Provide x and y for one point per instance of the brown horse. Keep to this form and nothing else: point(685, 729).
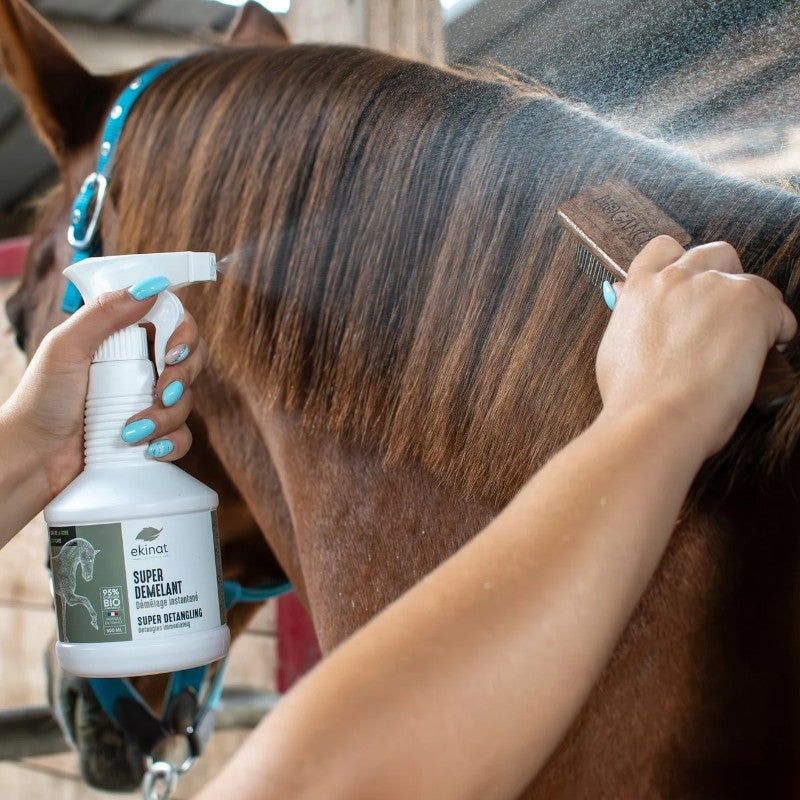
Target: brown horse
point(403, 337)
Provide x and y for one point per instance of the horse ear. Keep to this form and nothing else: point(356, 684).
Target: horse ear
point(64, 101)
point(253, 24)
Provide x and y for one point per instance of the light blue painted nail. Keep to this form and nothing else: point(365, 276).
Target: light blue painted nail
point(148, 287)
point(161, 448)
point(172, 393)
point(609, 295)
point(136, 431)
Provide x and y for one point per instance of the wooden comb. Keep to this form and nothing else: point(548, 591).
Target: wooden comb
point(612, 223)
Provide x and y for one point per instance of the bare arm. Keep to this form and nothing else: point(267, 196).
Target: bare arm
point(463, 687)
point(24, 490)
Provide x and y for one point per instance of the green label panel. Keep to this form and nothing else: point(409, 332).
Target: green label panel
point(89, 583)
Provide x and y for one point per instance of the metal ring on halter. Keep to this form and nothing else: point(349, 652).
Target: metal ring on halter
point(97, 181)
point(159, 773)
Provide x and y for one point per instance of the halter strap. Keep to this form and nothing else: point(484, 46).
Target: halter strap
point(82, 232)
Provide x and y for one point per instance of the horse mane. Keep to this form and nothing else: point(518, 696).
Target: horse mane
point(399, 278)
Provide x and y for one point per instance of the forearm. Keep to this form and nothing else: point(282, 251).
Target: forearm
point(463, 687)
point(24, 488)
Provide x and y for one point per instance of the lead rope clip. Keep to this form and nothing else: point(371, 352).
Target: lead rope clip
point(161, 778)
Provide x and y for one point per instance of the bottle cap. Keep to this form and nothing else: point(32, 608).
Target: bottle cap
point(126, 344)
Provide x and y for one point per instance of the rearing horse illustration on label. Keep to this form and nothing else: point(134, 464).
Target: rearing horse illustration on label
point(65, 567)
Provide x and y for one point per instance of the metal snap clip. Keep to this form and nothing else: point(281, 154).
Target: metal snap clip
point(160, 781)
point(93, 187)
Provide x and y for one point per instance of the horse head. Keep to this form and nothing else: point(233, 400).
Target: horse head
point(67, 106)
point(88, 555)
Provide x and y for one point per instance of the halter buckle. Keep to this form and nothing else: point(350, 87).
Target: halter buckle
point(92, 189)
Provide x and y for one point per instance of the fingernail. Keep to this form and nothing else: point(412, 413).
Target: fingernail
point(172, 393)
point(138, 430)
point(148, 287)
point(177, 354)
point(161, 448)
point(609, 295)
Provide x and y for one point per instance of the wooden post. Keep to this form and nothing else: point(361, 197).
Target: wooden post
point(298, 649)
point(410, 28)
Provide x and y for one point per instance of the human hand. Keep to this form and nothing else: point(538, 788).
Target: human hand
point(688, 338)
point(46, 410)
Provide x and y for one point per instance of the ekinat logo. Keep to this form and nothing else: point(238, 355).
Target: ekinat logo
point(148, 534)
point(145, 550)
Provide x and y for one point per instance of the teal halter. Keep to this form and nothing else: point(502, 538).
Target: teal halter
point(184, 712)
point(82, 232)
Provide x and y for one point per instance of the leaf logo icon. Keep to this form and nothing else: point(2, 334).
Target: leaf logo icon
point(148, 534)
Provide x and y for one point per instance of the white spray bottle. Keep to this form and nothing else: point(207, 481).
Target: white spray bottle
point(133, 541)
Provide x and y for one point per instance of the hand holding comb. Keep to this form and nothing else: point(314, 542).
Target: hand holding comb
point(612, 223)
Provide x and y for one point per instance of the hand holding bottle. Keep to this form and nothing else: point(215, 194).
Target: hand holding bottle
point(41, 424)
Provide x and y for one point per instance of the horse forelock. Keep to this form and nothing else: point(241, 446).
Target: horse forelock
point(398, 276)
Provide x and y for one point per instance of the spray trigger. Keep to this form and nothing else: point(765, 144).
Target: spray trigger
point(93, 276)
point(165, 315)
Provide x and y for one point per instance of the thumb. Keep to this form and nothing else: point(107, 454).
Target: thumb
point(81, 335)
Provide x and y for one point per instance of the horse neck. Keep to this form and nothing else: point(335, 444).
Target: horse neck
point(248, 480)
point(363, 530)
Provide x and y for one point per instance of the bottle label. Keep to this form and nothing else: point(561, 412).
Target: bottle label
point(137, 580)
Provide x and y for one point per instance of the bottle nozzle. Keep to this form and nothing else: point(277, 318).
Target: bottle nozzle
point(201, 267)
point(95, 276)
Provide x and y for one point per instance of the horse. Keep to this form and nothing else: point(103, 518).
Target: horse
point(403, 336)
point(75, 553)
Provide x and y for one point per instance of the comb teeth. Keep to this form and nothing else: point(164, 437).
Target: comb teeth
point(592, 266)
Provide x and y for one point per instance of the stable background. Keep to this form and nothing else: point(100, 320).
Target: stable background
point(721, 80)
